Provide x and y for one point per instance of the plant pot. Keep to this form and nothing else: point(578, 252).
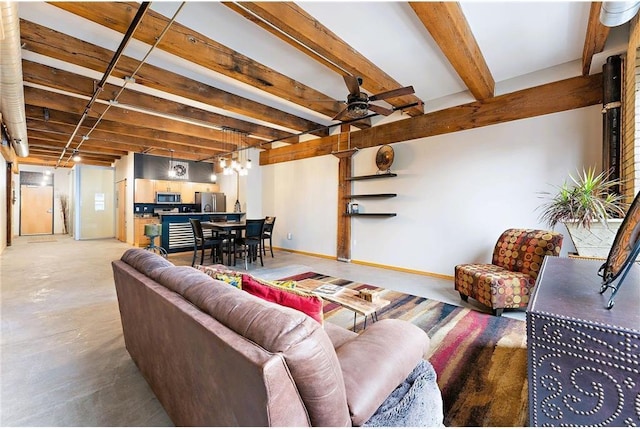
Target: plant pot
point(595, 242)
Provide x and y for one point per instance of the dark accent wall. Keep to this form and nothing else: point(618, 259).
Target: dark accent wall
point(157, 167)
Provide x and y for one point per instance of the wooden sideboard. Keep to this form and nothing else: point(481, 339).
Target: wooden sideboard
point(583, 360)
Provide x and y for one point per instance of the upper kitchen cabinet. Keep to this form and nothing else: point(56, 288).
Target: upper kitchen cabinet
point(144, 191)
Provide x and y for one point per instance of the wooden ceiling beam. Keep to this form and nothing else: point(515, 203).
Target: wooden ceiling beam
point(106, 140)
point(43, 141)
point(192, 46)
point(308, 35)
point(568, 94)
point(51, 161)
point(449, 28)
point(595, 38)
point(47, 140)
point(39, 151)
point(128, 133)
point(66, 103)
point(51, 77)
point(51, 43)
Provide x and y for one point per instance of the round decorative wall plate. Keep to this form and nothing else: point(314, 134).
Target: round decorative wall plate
point(384, 157)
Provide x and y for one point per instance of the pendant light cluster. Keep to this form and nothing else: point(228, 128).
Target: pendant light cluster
point(238, 161)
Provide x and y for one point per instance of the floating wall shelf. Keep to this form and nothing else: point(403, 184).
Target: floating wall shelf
point(370, 196)
point(372, 214)
point(372, 176)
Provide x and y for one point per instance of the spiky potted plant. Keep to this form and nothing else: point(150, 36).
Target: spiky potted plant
point(589, 209)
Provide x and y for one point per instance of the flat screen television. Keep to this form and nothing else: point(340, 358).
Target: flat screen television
point(623, 253)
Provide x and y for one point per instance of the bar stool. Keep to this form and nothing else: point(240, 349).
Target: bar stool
point(153, 230)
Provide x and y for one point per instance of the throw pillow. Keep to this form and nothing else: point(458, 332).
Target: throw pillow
point(284, 284)
point(309, 304)
point(234, 278)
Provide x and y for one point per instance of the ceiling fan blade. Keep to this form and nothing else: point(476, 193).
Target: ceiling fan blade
point(342, 113)
point(380, 110)
point(393, 93)
point(352, 84)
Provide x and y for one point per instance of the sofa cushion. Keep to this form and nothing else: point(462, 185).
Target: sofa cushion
point(309, 304)
point(494, 286)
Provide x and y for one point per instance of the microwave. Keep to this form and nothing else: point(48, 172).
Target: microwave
point(168, 198)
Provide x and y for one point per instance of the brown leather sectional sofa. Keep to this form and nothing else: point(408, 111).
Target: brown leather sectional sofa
point(215, 355)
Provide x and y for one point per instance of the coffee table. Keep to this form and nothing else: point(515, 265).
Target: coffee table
point(347, 298)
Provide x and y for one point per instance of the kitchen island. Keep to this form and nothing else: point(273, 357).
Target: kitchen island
point(177, 235)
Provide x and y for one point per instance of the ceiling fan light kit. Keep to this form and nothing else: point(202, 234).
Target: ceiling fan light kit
point(358, 102)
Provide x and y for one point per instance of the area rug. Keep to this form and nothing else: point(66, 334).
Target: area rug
point(480, 359)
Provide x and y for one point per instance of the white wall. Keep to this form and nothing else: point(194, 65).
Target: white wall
point(456, 192)
point(303, 197)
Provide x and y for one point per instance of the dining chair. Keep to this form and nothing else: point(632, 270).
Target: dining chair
point(200, 242)
point(269, 223)
point(249, 245)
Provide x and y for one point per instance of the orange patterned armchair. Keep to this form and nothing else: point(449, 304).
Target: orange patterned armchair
point(508, 281)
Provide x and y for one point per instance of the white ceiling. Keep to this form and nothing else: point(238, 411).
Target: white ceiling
point(516, 39)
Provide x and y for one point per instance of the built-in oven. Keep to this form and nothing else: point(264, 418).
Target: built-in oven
point(168, 198)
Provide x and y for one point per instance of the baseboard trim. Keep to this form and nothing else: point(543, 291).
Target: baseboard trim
point(371, 264)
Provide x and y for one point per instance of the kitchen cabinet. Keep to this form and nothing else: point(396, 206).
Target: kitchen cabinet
point(207, 187)
point(188, 192)
point(168, 186)
point(144, 191)
point(139, 239)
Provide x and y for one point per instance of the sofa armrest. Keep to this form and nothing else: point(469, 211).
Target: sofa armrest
point(375, 362)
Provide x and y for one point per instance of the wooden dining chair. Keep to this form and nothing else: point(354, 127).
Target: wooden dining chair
point(250, 244)
point(269, 223)
point(200, 242)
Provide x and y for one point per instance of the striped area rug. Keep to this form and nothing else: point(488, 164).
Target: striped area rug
point(481, 360)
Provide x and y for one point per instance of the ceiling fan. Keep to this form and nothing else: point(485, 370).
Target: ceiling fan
point(358, 103)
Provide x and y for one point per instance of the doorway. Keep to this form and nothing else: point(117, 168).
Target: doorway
point(36, 209)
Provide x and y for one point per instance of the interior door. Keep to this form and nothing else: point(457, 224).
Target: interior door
point(121, 204)
point(36, 209)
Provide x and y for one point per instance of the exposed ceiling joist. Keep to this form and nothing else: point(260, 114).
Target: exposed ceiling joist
point(449, 28)
point(117, 131)
point(311, 37)
point(54, 44)
point(66, 103)
point(595, 38)
point(217, 65)
point(72, 83)
point(199, 49)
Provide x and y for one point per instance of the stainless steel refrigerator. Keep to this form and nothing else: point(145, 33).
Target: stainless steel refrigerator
point(211, 201)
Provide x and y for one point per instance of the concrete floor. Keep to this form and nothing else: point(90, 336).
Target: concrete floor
point(63, 361)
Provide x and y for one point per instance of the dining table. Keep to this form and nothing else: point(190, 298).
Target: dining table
point(231, 228)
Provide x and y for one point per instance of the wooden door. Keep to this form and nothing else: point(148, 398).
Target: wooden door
point(121, 212)
point(36, 210)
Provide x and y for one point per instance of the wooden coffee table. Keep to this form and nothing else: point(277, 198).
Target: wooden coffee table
point(347, 298)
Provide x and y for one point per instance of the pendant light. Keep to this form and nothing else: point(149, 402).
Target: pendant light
point(171, 172)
